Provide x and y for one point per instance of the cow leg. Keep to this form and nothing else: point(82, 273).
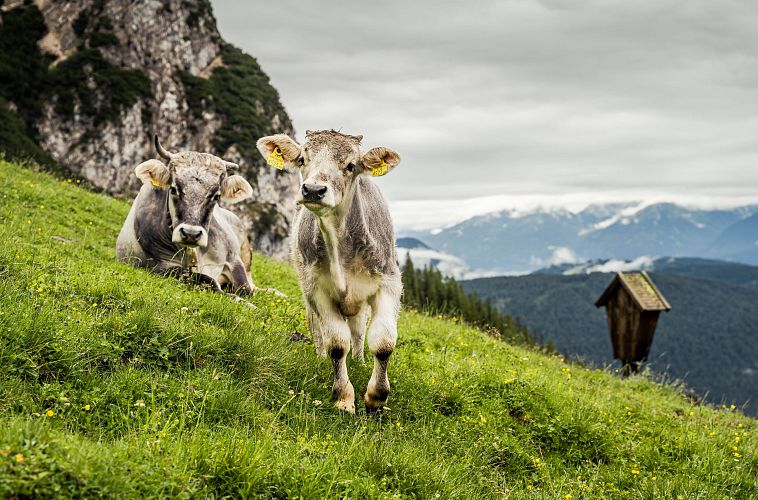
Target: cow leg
point(382, 336)
point(204, 280)
point(336, 340)
point(314, 326)
point(174, 270)
point(357, 326)
point(242, 284)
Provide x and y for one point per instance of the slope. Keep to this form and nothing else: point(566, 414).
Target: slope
point(738, 242)
point(709, 269)
point(119, 383)
point(707, 339)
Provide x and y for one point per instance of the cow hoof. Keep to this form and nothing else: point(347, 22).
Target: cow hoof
point(347, 406)
point(374, 402)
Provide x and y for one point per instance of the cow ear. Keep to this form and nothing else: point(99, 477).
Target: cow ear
point(279, 150)
point(235, 188)
point(379, 161)
point(154, 172)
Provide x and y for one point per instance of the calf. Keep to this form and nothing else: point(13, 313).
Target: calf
point(343, 247)
point(176, 226)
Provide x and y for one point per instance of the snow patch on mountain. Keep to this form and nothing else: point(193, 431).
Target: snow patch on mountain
point(643, 263)
point(622, 216)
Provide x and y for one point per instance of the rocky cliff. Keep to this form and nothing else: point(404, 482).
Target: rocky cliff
point(84, 84)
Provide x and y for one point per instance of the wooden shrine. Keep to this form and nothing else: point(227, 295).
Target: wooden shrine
point(632, 304)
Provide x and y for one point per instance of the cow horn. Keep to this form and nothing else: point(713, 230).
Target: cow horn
point(231, 167)
point(162, 152)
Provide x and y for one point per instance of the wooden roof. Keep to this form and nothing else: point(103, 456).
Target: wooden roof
point(640, 287)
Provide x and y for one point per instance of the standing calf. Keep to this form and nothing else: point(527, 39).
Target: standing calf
point(343, 246)
point(175, 224)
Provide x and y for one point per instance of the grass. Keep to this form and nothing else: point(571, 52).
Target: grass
point(119, 383)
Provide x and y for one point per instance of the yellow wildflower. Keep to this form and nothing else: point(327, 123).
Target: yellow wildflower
point(50, 413)
point(87, 407)
point(19, 458)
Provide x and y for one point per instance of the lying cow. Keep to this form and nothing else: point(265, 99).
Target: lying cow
point(176, 226)
point(343, 247)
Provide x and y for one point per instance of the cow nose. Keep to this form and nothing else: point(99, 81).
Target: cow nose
point(190, 234)
point(313, 192)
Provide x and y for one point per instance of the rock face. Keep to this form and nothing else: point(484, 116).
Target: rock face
point(117, 71)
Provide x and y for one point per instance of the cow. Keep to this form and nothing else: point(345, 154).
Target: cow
point(176, 226)
point(343, 248)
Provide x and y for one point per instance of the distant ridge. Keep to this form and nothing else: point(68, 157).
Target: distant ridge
point(514, 242)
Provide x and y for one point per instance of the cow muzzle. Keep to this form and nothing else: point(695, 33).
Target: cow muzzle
point(187, 235)
point(313, 193)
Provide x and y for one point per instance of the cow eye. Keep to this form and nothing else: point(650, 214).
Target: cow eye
point(216, 196)
point(300, 161)
point(173, 190)
point(350, 167)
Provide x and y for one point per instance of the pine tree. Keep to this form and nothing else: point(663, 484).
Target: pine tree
point(429, 291)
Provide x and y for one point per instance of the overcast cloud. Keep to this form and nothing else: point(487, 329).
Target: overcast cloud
point(546, 102)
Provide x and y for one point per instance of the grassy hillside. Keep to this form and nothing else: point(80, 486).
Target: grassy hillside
point(708, 339)
point(119, 383)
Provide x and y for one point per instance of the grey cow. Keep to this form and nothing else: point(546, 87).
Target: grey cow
point(176, 226)
point(343, 247)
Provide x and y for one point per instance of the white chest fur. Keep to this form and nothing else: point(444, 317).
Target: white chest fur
point(358, 288)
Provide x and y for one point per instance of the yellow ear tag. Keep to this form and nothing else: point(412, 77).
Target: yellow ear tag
point(276, 158)
point(379, 170)
point(154, 182)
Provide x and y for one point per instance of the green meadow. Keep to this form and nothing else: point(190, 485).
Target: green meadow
point(118, 383)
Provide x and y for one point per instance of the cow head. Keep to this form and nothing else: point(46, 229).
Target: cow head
point(195, 183)
point(329, 163)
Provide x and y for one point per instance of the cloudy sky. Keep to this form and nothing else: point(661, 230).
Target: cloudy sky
point(496, 104)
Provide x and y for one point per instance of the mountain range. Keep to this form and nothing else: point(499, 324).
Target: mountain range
point(511, 242)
